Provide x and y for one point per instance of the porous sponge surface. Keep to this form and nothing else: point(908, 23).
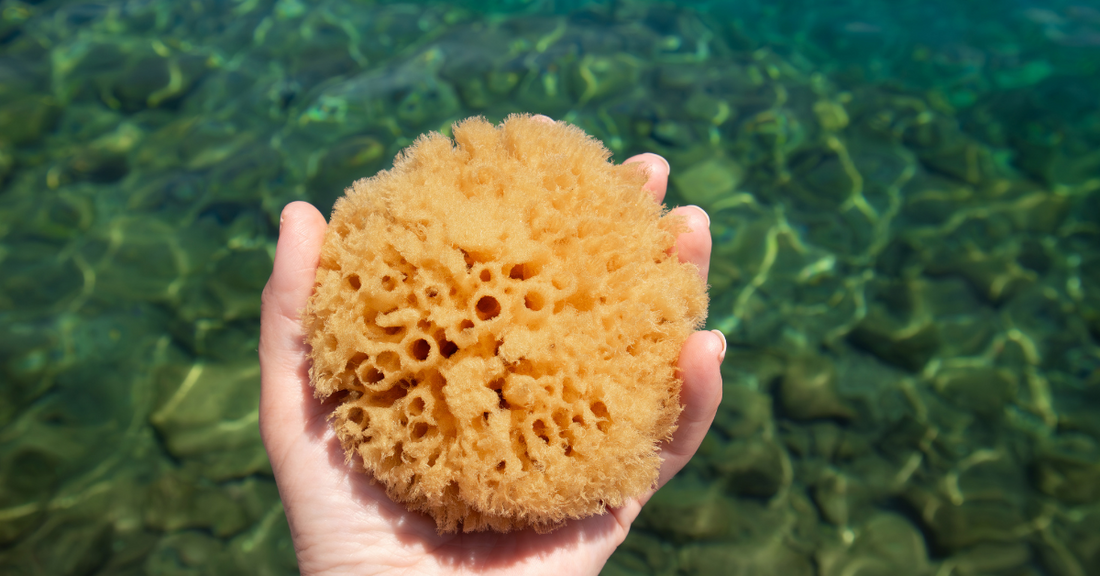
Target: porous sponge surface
point(502, 316)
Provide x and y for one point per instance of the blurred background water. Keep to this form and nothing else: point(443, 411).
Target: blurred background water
point(906, 211)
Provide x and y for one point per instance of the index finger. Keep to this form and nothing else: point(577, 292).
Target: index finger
point(657, 169)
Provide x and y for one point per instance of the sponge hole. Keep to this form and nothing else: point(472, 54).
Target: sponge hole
point(488, 308)
point(497, 385)
point(447, 348)
point(354, 362)
point(420, 349)
point(569, 392)
point(353, 281)
point(521, 271)
point(540, 430)
point(419, 430)
point(485, 275)
point(468, 258)
point(370, 375)
point(534, 301)
point(388, 283)
point(465, 325)
point(599, 409)
point(389, 361)
point(359, 416)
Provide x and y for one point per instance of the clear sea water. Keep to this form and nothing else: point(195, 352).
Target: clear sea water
point(905, 199)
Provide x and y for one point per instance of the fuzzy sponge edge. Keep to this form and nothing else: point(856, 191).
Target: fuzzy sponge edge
point(501, 318)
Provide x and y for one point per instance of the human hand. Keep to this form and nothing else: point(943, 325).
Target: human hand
point(343, 523)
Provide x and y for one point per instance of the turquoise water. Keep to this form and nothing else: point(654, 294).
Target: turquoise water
point(905, 199)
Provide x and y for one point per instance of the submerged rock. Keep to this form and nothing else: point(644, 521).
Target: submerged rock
point(211, 420)
point(808, 390)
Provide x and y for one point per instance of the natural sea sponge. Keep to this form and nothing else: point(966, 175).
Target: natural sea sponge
point(501, 317)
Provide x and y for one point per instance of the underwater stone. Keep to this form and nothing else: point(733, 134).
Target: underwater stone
point(673, 134)
point(831, 115)
point(104, 160)
point(991, 474)
point(87, 546)
point(709, 181)
point(543, 92)
point(773, 556)
point(966, 334)
point(7, 161)
point(679, 76)
point(753, 468)
point(154, 80)
point(886, 544)
point(432, 100)
point(36, 273)
point(707, 108)
point(345, 161)
point(990, 558)
point(1082, 537)
point(185, 553)
point(265, 548)
point(177, 501)
point(836, 495)
point(690, 512)
point(94, 165)
point(1090, 283)
point(984, 391)
point(145, 260)
point(967, 161)
point(473, 93)
point(641, 553)
point(1068, 468)
point(27, 482)
point(996, 276)
point(910, 347)
point(743, 411)
point(26, 119)
point(808, 390)
point(823, 181)
point(971, 522)
point(211, 420)
point(826, 440)
point(595, 77)
point(238, 278)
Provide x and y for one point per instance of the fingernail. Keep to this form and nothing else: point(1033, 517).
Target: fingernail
point(543, 118)
point(707, 216)
point(668, 168)
point(722, 354)
point(281, 218)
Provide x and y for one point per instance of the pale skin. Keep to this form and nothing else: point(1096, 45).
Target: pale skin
point(343, 523)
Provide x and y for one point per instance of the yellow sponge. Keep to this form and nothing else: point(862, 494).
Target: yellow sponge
point(502, 316)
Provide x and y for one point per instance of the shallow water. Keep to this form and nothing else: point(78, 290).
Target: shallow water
point(905, 199)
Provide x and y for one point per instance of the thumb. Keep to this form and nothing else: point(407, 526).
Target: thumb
point(284, 363)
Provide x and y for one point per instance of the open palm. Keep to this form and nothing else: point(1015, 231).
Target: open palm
point(343, 523)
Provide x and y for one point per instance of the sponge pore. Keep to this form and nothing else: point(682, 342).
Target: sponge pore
point(501, 317)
